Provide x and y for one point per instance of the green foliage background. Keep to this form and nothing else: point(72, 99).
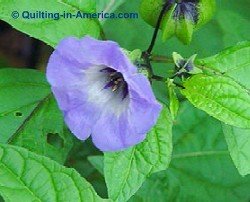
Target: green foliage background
point(201, 168)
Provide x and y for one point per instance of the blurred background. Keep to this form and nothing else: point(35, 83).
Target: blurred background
point(19, 50)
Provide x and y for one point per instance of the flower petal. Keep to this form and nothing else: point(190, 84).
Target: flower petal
point(62, 71)
point(141, 87)
point(143, 115)
point(69, 97)
point(81, 119)
point(79, 114)
point(112, 133)
point(106, 53)
point(144, 108)
point(90, 50)
point(115, 122)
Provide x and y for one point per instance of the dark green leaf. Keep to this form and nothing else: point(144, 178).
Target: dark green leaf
point(238, 141)
point(235, 27)
point(29, 115)
point(97, 162)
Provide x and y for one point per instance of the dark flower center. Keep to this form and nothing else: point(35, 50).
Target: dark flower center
point(188, 66)
point(185, 9)
point(115, 82)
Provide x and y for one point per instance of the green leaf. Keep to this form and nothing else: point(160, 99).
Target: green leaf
point(168, 25)
point(206, 11)
point(146, 8)
point(17, 90)
point(233, 62)
point(126, 171)
point(1, 199)
point(185, 30)
point(97, 162)
point(43, 132)
point(78, 158)
point(235, 30)
point(29, 115)
point(49, 30)
point(108, 6)
point(200, 169)
point(238, 141)
point(30, 177)
point(86, 6)
point(173, 99)
point(221, 97)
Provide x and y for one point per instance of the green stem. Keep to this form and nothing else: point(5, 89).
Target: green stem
point(102, 33)
point(161, 59)
point(157, 27)
point(159, 78)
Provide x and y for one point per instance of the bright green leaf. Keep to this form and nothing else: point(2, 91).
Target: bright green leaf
point(146, 8)
point(238, 141)
point(107, 6)
point(89, 6)
point(185, 30)
point(78, 158)
point(29, 177)
point(200, 169)
point(206, 11)
point(126, 171)
point(29, 115)
point(234, 62)
point(221, 97)
point(49, 30)
point(168, 25)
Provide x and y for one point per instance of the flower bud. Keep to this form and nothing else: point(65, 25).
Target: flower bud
point(185, 67)
point(181, 17)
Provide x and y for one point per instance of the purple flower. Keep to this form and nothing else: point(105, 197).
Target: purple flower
point(101, 94)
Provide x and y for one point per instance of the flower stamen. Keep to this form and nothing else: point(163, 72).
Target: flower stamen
point(115, 81)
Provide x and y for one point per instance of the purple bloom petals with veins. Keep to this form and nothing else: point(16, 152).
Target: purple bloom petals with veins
point(101, 94)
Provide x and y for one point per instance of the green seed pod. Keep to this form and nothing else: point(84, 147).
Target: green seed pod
point(181, 17)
